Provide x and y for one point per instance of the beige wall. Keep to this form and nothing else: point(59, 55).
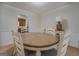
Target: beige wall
point(9, 21)
point(71, 14)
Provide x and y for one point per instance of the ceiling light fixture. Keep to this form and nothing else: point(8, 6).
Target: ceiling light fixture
point(38, 3)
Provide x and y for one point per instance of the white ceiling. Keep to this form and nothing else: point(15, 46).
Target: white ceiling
point(37, 7)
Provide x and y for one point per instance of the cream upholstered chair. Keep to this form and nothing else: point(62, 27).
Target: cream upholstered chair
point(63, 44)
point(18, 44)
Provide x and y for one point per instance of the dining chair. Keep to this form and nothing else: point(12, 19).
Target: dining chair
point(51, 31)
point(18, 44)
point(63, 44)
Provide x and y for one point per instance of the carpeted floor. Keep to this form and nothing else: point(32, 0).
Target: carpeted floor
point(72, 51)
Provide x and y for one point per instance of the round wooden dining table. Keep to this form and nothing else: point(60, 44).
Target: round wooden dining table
point(39, 41)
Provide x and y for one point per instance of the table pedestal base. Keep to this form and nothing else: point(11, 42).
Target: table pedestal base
point(38, 53)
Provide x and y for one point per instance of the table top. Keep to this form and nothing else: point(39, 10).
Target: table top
point(37, 39)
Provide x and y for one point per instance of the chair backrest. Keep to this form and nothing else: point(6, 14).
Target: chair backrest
point(50, 31)
point(63, 44)
point(18, 42)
